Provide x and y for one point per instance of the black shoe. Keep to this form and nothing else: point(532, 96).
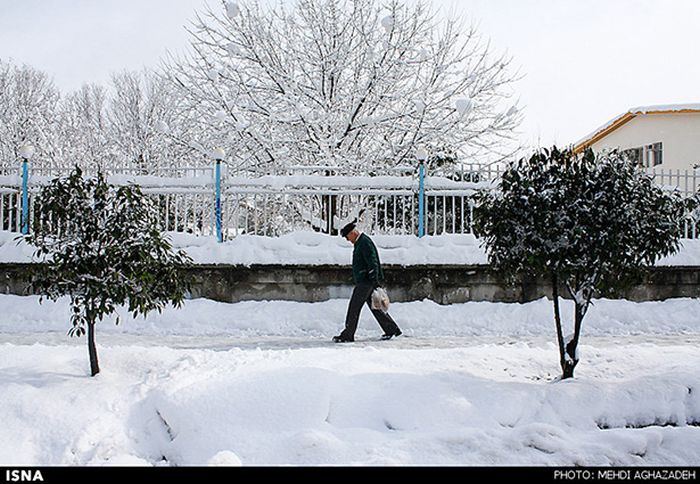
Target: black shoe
point(387, 336)
point(343, 339)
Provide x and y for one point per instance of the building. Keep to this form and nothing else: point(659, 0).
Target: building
point(663, 137)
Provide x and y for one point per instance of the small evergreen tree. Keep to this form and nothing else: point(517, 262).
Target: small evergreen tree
point(101, 246)
point(590, 223)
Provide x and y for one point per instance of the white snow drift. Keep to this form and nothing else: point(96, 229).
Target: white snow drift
point(317, 249)
point(260, 384)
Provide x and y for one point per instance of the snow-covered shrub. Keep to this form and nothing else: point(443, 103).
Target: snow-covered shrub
point(101, 246)
point(588, 223)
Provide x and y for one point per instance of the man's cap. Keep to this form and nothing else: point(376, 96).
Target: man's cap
point(347, 229)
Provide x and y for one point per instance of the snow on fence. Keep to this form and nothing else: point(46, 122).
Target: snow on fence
point(305, 198)
point(274, 205)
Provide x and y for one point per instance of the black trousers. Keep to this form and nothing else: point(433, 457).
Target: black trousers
point(362, 294)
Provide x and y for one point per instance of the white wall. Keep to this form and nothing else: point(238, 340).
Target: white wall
point(679, 133)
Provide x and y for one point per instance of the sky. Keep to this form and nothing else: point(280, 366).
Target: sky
point(583, 61)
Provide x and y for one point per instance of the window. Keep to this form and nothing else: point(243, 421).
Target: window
point(647, 156)
point(654, 155)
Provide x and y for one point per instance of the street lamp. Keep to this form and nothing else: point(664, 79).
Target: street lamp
point(463, 106)
point(232, 10)
point(26, 151)
point(421, 155)
point(220, 116)
point(162, 127)
point(388, 23)
point(214, 74)
point(218, 154)
point(419, 104)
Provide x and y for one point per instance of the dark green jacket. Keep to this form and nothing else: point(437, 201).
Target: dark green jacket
point(365, 262)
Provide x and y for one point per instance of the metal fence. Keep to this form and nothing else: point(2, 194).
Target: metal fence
point(273, 206)
point(305, 198)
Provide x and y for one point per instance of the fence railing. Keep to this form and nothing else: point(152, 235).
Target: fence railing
point(686, 181)
point(278, 204)
point(306, 198)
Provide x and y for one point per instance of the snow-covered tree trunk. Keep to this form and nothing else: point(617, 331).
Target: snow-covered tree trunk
point(582, 293)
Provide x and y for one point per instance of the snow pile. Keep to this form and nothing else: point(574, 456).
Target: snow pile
point(259, 383)
point(317, 249)
point(13, 249)
point(375, 405)
point(425, 319)
point(688, 255)
point(299, 248)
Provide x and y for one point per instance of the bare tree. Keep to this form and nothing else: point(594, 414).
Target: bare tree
point(143, 116)
point(28, 110)
point(84, 135)
point(354, 83)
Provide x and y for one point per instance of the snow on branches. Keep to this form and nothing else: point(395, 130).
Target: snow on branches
point(101, 245)
point(588, 223)
point(28, 112)
point(356, 84)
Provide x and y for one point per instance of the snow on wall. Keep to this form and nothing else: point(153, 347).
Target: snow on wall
point(310, 248)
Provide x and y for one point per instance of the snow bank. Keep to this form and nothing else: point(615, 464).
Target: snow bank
point(425, 319)
point(13, 249)
point(317, 249)
point(482, 405)
point(688, 255)
point(259, 383)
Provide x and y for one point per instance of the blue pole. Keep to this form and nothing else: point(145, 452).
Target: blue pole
point(421, 201)
point(219, 236)
point(25, 197)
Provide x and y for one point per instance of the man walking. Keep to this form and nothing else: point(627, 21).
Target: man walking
point(367, 275)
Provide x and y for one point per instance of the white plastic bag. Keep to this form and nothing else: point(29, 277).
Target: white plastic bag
point(380, 299)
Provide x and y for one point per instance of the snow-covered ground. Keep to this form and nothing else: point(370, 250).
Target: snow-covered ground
point(317, 249)
point(259, 383)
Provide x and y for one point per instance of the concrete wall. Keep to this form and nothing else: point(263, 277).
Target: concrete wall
point(442, 284)
point(679, 133)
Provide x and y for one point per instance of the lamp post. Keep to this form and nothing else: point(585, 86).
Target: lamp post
point(422, 155)
point(388, 23)
point(463, 106)
point(218, 154)
point(26, 151)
